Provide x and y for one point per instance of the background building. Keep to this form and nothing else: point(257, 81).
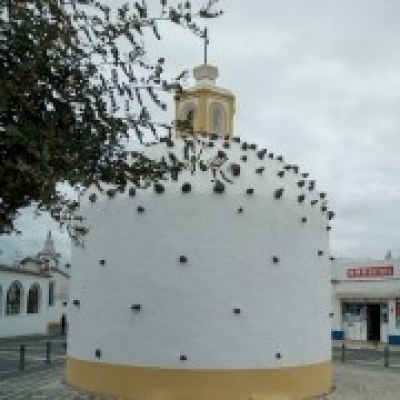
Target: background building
point(33, 293)
point(366, 300)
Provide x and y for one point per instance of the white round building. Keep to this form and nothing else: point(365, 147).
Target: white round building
point(213, 286)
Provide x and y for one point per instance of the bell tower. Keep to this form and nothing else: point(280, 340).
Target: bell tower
point(205, 108)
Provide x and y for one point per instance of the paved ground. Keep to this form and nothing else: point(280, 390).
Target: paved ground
point(358, 382)
point(368, 357)
point(35, 354)
point(362, 377)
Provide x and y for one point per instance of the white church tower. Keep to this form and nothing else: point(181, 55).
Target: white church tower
point(48, 255)
point(212, 286)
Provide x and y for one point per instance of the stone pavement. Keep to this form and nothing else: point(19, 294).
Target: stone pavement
point(353, 382)
point(43, 385)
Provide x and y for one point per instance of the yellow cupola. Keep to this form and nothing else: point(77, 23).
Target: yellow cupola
point(205, 108)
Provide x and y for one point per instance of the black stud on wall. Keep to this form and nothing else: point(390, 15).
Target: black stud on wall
point(76, 302)
point(226, 145)
point(158, 188)
point(278, 193)
point(250, 191)
point(93, 197)
point(260, 170)
point(186, 187)
point(305, 174)
point(253, 146)
point(210, 144)
point(240, 210)
point(271, 155)
point(102, 262)
point(237, 311)
point(169, 142)
point(183, 357)
point(324, 208)
point(278, 356)
point(279, 158)
point(182, 259)
point(331, 215)
point(111, 192)
point(275, 259)
point(132, 192)
point(140, 209)
point(301, 198)
point(322, 195)
point(261, 154)
point(98, 353)
point(203, 166)
point(301, 183)
point(328, 228)
point(136, 307)
point(236, 139)
point(304, 220)
point(311, 186)
point(295, 169)
point(244, 146)
point(235, 169)
point(243, 158)
point(219, 187)
point(281, 174)
point(314, 202)
point(320, 253)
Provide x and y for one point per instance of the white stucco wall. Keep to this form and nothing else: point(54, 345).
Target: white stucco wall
point(187, 309)
point(23, 323)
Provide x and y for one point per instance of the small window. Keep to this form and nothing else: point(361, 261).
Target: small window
point(188, 117)
point(51, 293)
point(32, 306)
point(218, 119)
point(14, 299)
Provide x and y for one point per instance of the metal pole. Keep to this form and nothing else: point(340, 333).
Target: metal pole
point(48, 351)
point(22, 357)
point(205, 44)
point(386, 356)
point(343, 352)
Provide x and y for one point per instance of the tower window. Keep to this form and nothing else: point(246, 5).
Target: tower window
point(51, 293)
point(14, 299)
point(218, 119)
point(188, 117)
point(33, 301)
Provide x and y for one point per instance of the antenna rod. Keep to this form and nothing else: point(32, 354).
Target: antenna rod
point(205, 44)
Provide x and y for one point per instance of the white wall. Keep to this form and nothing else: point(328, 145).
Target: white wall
point(188, 308)
point(23, 323)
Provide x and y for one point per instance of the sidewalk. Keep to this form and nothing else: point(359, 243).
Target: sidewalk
point(351, 383)
point(362, 344)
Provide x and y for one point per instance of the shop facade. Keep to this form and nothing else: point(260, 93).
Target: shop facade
point(366, 301)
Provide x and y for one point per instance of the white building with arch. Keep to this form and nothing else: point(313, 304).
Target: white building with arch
point(33, 293)
point(23, 302)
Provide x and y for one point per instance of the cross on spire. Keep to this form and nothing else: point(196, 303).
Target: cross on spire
point(206, 43)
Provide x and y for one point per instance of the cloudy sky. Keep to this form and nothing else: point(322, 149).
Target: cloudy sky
point(317, 81)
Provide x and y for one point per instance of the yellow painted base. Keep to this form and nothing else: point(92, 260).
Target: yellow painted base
point(141, 383)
